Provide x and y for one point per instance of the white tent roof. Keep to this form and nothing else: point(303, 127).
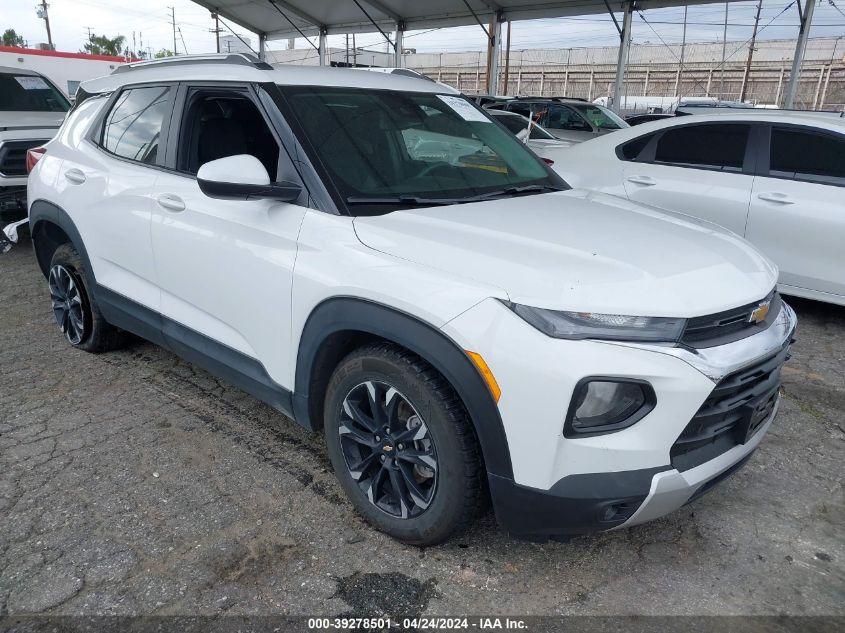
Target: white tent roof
point(275, 19)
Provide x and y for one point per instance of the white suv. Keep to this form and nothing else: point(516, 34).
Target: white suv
point(453, 327)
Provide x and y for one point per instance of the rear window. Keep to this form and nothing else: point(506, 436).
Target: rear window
point(30, 93)
point(806, 155)
point(716, 146)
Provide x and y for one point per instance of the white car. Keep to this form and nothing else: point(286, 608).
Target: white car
point(775, 178)
point(451, 328)
point(544, 144)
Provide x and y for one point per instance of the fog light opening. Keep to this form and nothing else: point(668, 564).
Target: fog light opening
point(604, 405)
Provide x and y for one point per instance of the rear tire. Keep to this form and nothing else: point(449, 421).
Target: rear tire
point(74, 308)
point(402, 445)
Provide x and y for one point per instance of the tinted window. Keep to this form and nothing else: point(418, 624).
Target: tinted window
point(520, 108)
point(133, 127)
point(630, 151)
point(711, 146)
point(806, 155)
point(29, 93)
point(564, 118)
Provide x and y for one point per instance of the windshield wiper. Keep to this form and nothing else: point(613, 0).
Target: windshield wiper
point(512, 191)
point(430, 202)
point(414, 200)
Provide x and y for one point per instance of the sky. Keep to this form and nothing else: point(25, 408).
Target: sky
point(150, 22)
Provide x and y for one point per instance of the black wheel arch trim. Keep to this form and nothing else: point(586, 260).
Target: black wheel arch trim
point(353, 314)
point(43, 211)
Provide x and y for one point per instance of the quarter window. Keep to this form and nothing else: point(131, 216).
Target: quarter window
point(804, 155)
point(132, 128)
point(632, 149)
point(720, 147)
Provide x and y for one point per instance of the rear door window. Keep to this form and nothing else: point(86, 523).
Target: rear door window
point(133, 126)
point(718, 146)
point(799, 154)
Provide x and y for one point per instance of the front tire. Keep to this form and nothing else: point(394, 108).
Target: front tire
point(74, 308)
point(402, 445)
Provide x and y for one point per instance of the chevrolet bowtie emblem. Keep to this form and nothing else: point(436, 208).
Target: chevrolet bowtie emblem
point(760, 312)
point(387, 448)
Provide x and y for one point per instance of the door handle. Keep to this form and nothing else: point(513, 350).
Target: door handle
point(170, 202)
point(776, 196)
point(75, 176)
point(647, 181)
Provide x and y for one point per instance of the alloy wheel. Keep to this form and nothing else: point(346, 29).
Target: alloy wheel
point(388, 449)
point(67, 303)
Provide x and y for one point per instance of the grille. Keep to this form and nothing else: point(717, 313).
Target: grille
point(13, 156)
point(735, 410)
point(730, 325)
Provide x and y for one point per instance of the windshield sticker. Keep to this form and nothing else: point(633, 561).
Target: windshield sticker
point(32, 83)
point(463, 108)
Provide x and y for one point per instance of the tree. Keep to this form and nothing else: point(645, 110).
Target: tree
point(104, 45)
point(11, 38)
point(164, 53)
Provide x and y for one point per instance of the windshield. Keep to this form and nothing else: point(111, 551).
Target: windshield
point(600, 116)
point(386, 150)
point(517, 124)
point(30, 93)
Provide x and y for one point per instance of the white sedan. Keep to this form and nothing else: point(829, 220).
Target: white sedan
point(776, 178)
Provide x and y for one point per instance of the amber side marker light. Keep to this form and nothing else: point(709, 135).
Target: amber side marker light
point(488, 376)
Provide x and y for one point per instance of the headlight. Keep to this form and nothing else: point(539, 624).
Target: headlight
point(594, 325)
point(603, 405)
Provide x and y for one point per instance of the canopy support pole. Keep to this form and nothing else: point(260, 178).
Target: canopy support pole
point(494, 48)
point(624, 43)
point(800, 48)
point(322, 47)
point(397, 42)
point(262, 46)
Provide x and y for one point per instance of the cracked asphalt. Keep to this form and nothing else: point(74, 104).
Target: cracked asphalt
point(134, 483)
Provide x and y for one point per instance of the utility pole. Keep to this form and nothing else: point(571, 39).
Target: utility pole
point(216, 29)
point(751, 51)
point(724, 46)
point(42, 13)
point(173, 21)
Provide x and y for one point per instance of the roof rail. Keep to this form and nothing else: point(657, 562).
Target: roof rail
point(237, 59)
point(552, 98)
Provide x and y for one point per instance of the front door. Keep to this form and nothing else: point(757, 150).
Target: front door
point(226, 266)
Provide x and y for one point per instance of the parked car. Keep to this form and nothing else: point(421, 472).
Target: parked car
point(543, 143)
point(31, 110)
point(452, 329)
point(775, 178)
point(568, 119)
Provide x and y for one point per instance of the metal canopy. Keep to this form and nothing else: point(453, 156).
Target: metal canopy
point(275, 19)
point(279, 19)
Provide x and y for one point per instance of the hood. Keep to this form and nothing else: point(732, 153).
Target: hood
point(580, 251)
point(31, 120)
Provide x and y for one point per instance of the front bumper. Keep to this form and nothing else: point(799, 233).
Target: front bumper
point(566, 487)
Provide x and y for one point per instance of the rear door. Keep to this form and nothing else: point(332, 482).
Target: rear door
point(107, 186)
point(704, 170)
point(797, 214)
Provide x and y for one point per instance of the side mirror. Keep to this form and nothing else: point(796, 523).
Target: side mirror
point(243, 177)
